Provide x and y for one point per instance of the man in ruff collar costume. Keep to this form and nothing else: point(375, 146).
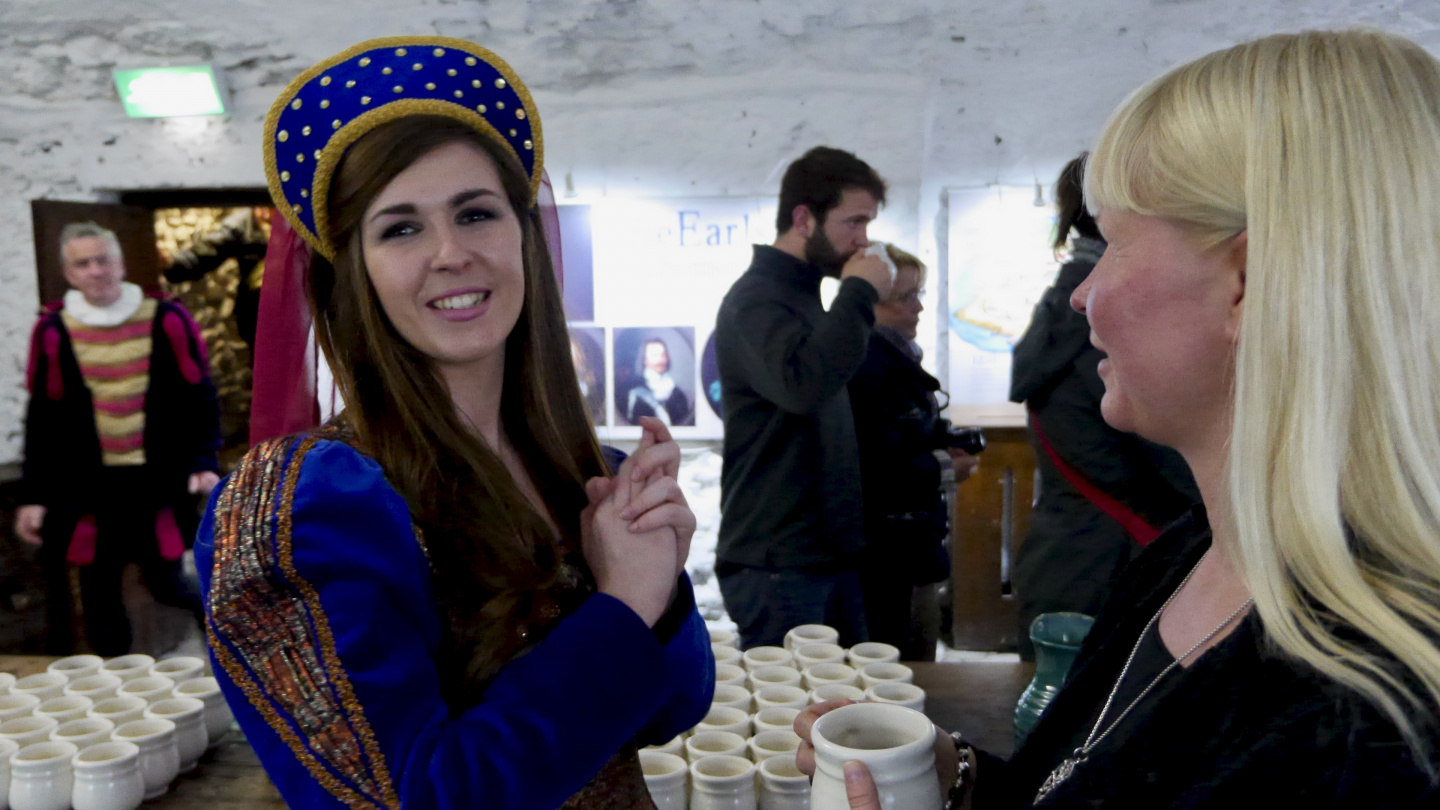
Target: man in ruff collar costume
point(332, 613)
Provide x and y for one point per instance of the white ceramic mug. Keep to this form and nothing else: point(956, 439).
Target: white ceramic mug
point(722, 782)
point(905, 694)
point(129, 667)
point(119, 710)
point(188, 715)
point(84, 732)
point(725, 637)
point(725, 655)
point(96, 687)
point(179, 669)
point(811, 634)
point(13, 706)
point(149, 689)
point(808, 655)
point(782, 785)
point(768, 744)
point(44, 685)
point(836, 691)
point(6, 681)
point(757, 657)
point(872, 674)
point(41, 778)
point(895, 743)
point(108, 777)
point(732, 674)
point(792, 697)
point(159, 758)
point(726, 718)
point(736, 697)
point(675, 747)
point(7, 748)
point(64, 708)
point(872, 652)
point(76, 666)
point(773, 676)
point(217, 712)
point(822, 674)
point(25, 731)
point(665, 779)
point(714, 743)
point(775, 718)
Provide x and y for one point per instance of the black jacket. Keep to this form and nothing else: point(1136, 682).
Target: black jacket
point(790, 487)
point(895, 420)
point(1074, 552)
point(1241, 727)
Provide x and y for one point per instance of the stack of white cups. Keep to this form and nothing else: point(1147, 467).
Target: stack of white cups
point(104, 735)
point(742, 755)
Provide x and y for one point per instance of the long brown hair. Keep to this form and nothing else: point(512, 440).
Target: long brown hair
point(493, 556)
point(1070, 200)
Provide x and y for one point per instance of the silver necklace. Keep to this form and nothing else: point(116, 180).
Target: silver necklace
point(1067, 767)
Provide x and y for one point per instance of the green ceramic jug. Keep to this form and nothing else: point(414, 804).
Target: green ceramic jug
point(1057, 638)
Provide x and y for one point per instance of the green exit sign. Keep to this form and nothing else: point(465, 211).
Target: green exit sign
point(169, 91)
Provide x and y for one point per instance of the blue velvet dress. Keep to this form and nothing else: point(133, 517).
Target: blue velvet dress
point(324, 633)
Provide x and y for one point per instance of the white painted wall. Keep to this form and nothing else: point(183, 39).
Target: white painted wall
point(638, 97)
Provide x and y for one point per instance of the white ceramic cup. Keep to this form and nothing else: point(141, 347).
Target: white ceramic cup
point(905, 694)
point(7, 748)
point(148, 689)
point(773, 676)
point(64, 708)
point(179, 669)
point(872, 652)
point(725, 655)
point(725, 718)
point(13, 706)
point(895, 743)
point(722, 782)
point(714, 743)
point(96, 687)
point(84, 732)
point(129, 667)
point(803, 634)
point(757, 657)
point(733, 675)
point(6, 681)
point(76, 666)
point(159, 758)
point(108, 777)
point(725, 637)
point(665, 779)
point(808, 655)
point(675, 747)
point(44, 685)
point(188, 715)
point(119, 710)
point(836, 691)
point(768, 744)
point(775, 718)
point(872, 674)
point(822, 674)
point(782, 785)
point(217, 712)
point(792, 697)
point(41, 778)
point(735, 697)
point(25, 731)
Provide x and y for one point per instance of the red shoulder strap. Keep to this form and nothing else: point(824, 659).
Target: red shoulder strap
point(1137, 526)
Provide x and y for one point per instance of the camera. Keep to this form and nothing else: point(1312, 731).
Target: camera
point(945, 435)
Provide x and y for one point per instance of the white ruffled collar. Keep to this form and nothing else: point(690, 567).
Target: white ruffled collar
point(131, 297)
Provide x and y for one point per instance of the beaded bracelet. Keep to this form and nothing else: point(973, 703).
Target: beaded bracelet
point(956, 796)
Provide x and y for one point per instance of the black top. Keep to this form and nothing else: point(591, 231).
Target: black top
point(1241, 727)
point(1150, 664)
point(790, 488)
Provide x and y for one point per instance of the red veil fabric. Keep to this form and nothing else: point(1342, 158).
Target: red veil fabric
point(284, 397)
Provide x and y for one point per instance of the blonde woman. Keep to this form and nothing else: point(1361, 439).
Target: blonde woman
point(1268, 308)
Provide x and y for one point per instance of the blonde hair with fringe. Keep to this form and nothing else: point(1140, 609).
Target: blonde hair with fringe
point(1325, 148)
